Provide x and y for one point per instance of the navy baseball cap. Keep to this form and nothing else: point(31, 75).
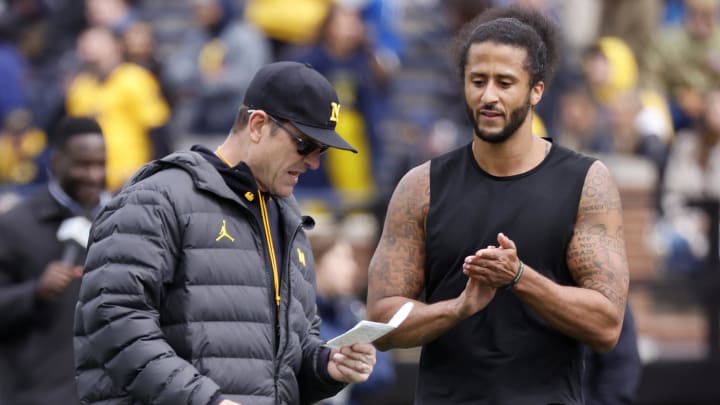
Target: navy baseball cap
point(297, 93)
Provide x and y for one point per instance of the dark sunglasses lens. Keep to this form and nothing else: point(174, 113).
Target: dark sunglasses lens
point(305, 148)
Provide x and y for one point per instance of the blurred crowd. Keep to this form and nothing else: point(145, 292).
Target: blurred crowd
point(639, 79)
point(636, 77)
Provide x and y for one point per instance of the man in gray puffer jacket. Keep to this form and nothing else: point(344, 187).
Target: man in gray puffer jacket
point(199, 285)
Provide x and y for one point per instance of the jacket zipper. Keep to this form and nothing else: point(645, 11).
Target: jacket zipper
point(260, 228)
point(288, 277)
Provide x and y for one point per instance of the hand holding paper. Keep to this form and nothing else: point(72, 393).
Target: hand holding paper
point(368, 331)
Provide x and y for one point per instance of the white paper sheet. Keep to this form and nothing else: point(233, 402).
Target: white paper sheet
point(368, 331)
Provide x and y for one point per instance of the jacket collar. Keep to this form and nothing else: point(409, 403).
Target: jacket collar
point(46, 207)
point(75, 208)
point(206, 177)
point(239, 177)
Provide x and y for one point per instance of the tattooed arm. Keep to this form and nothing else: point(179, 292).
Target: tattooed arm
point(592, 312)
point(396, 273)
point(597, 261)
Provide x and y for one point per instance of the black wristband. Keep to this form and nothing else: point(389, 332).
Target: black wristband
point(514, 281)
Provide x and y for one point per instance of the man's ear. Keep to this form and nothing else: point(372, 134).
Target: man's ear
point(256, 122)
point(536, 93)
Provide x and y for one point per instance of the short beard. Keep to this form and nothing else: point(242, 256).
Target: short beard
point(517, 117)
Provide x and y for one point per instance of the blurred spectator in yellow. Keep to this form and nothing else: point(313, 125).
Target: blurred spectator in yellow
point(209, 72)
point(14, 116)
point(124, 97)
point(139, 47)
point(685, 60)
point(343, 54)
point(39, 281)
point(13, 71)
point(287, 23)
point(24, 156)
point(640, 122)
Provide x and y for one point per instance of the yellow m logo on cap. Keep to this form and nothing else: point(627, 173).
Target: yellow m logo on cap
point(335, 111)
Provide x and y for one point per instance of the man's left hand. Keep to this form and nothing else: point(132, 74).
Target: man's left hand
point(352, 364)
point(495, 266)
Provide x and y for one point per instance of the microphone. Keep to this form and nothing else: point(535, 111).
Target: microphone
point(74, 232)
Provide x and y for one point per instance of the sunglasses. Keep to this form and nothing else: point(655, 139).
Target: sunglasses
point(304, 147)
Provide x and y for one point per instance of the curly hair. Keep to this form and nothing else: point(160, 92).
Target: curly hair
point(515, 26)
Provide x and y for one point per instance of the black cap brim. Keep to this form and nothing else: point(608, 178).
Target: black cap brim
point(325, 136)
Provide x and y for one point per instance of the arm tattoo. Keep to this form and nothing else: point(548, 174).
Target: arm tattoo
point(397, 267)
point(596, 255)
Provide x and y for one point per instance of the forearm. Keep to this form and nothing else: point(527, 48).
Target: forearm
point(581, 313)
point(425, 322)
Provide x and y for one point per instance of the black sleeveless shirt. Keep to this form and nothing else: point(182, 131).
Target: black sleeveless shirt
point(506, 353)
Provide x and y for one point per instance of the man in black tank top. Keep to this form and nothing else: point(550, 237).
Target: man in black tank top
point(515, 244)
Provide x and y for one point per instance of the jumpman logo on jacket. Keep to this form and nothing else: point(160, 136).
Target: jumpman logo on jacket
point(224, 233)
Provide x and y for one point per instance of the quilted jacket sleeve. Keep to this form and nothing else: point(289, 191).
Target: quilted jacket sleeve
point(133, 251)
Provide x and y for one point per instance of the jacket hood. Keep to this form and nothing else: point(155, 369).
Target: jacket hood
point(204, 176)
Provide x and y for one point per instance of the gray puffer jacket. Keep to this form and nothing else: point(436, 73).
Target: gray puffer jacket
point(173, 312)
